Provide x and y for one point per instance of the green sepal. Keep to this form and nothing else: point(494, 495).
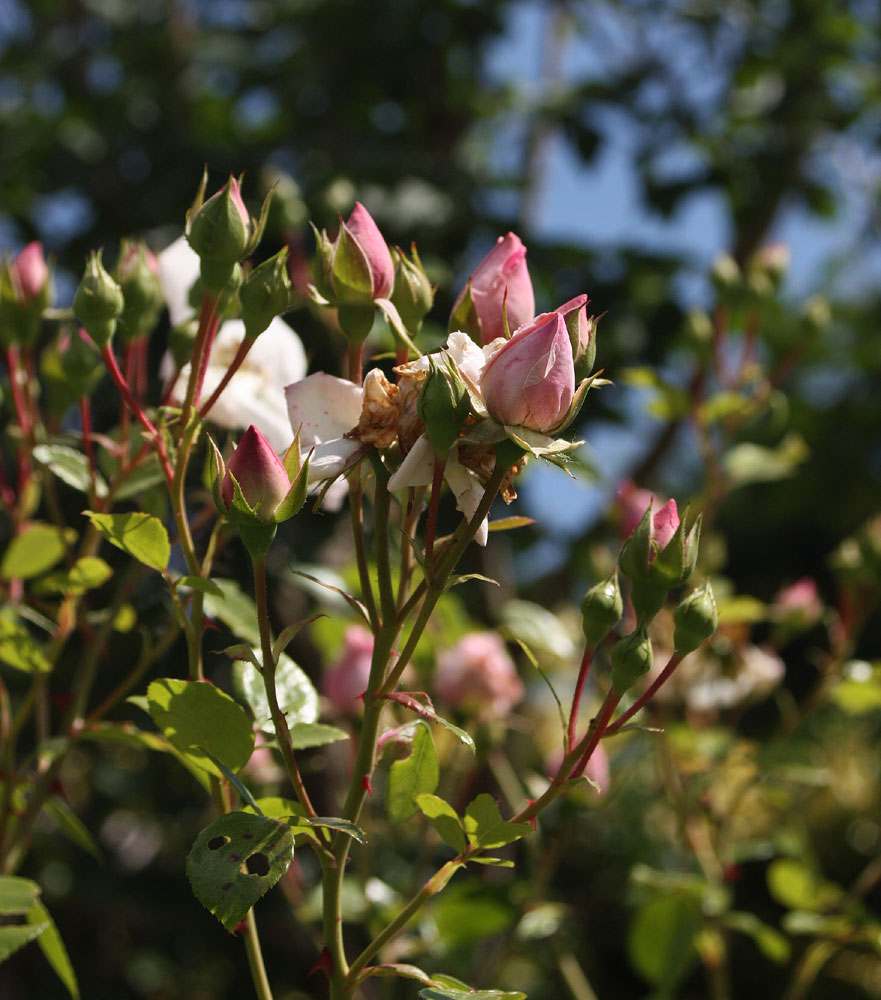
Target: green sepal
point(464, 317)
point(296, 496)
point(636, 551)
point(258, 538)
point(265, 294)
point(351, 276)
point(631, 659)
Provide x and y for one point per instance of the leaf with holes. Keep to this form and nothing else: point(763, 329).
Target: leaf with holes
point(235, 860)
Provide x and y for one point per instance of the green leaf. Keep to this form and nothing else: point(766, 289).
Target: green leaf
point(415, 775)
point(199, 719)
point(422, 707)
point(287, 634)
point(73, 827)
point(53, 948)
point(661, 941)
point(142, 536)
point(491, 862)
point(199, 583)
point(17, 894)
point(305, 735)
point(332, 823)
point(451, 993)
point(509, 523)
point(538, 627)
point(16, 936)
point(235, 609)
point(276, 807)
point(18, 649)
point(147, 475)
point(71, 467)
point(235, 860)
point(485, 826)
point(398, 969)
point(296, 694)
point(741, 609)
point(769, 940)
point(37, 549)
point(444, 818)
point(752, 463)
point(471, 910)
point(86, 574)
point(796, 886)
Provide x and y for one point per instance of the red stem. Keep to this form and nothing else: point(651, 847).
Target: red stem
point(109, 359)
point(599, 729)
point(647, 695)
point(586, 661)
point(235, 364)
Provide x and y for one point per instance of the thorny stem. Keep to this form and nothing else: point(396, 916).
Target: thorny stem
point(279, 721)
point(586, 660)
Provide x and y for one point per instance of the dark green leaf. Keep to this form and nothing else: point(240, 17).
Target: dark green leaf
point(53, 948)
point(15, 936)
point(17, 895)
point(235, 860)
point(661, 941)
point(73, 827)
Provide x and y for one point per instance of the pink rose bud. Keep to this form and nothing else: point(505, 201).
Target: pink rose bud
point(499, 286)
point(478, 673)
point(634, 502)
point(365, 233)
point(665, 523)
point(260, 474)
point(237, 200)
point(530, 382)
point(799, 604)
point(30, 272)
point(347, 679)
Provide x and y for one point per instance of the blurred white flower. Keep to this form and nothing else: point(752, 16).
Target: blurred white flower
point(255, 394)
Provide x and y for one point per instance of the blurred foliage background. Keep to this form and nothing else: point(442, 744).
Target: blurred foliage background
point(449, 120)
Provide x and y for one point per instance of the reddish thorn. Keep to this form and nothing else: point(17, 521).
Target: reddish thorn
point(240, 927)
point(58, 789)
point(324, 963)
point(62, 699)
point(732, 873)
point(365, 784)
point(532, 818)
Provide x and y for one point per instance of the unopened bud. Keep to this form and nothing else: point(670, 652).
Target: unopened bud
point(98, 301)
point(413, 295)
point(631, 659)
point(601, 610)
point(220, 233)
point(265, 294)
point(443, 405)
point(695, 619)
point(137, 272)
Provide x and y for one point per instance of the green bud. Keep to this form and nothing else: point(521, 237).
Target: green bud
point(631, 659)
point(356, 321)
point(413, 295)
point(647, 599)
point(601, 610)
point(443, 405)
point(726, 276)
point(71, 369)
point(137, 272)
point(636, 553)
point(695, 618)
point(265, 294)
point(219, 231)
point(464, 317)
point(181, 340)
point(98, 301)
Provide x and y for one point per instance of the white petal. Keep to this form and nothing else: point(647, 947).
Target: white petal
point(178, 271)
point(330, 458)
point(417, 469)
point(469, 492)
point(322, 407)
point(468, 356)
